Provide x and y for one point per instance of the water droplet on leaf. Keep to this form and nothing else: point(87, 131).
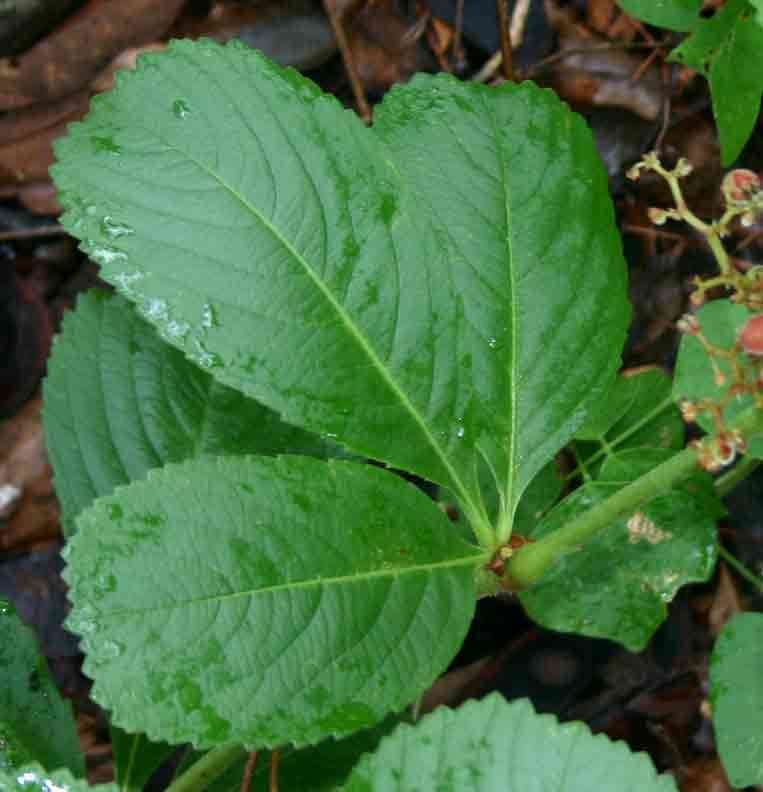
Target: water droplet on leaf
point(114, 229)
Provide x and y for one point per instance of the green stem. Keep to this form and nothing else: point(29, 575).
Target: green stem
point(725, 483)
point(213, 764)
point(533, 560)
point(740, 568)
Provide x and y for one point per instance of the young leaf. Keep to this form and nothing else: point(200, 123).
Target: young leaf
point(617, 585)
point(724, 48)
point(136, 758)
point(33, 778)
point(35, 722)
point(266, 601)
point(119, 402)
point(496, 746)
point(696, 372)
point(737, 697)
point(341, 278)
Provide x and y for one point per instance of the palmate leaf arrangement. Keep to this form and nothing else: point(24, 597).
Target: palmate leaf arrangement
point(443, 294)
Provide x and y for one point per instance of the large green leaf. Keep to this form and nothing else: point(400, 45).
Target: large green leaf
point(35, 722)
point(119, 402)
point(496, 746)
point(736, 684)
point(618, 584)
point(266, 601)
point(417, 290)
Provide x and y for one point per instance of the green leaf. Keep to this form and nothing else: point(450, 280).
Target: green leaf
point(618, 584)
point(136, 758)
point(33, 778)
point(341, 277)
point(119, 402)
point(680, 15)
point(498, 174)
point(35, 722)
point(266, 601)
point(726, 49)
point(696, 372)
point(637, 413)
point(496, 746)
point(736, 685)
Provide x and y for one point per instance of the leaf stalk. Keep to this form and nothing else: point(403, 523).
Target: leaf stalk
point(212, 765)
point(529, 564)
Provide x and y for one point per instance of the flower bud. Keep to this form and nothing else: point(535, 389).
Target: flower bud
point(740, 185)
point(657, 216)
point(751, 336)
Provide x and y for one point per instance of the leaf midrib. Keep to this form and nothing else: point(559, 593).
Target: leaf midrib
point(456, 481)
point(472, 560)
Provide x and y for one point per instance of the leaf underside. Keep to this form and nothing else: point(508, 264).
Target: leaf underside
point(416, 290)
point(119, 402)
point(266, 601)
point(736, 686)
point(495, 746)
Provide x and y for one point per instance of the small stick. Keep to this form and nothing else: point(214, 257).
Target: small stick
point(32, 233)
point(507, 55)
point(251, 764)
point(275, 758)
point(667, 104)
point(364, 110)
point(459, 30)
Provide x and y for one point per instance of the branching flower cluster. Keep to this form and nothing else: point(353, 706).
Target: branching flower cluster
point(737, 370)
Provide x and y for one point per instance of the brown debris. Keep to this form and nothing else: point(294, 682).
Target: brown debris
point(31, 513)
point(70, 57)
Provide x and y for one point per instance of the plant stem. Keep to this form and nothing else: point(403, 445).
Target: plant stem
point(740, 568)
point(725, 483)
point(533, 560)
point(213, 764)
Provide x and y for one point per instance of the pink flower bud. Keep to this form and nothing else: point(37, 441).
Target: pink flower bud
point(751, 337)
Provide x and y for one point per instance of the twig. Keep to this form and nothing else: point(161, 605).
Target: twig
point(507, 55)
point(565, 53)
point(740, 568)
point(275, 759)
point(32, 233)
point(251, 764)
point(517, 30)
point(667, 101)
point(364, 109)
point(459, 29)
